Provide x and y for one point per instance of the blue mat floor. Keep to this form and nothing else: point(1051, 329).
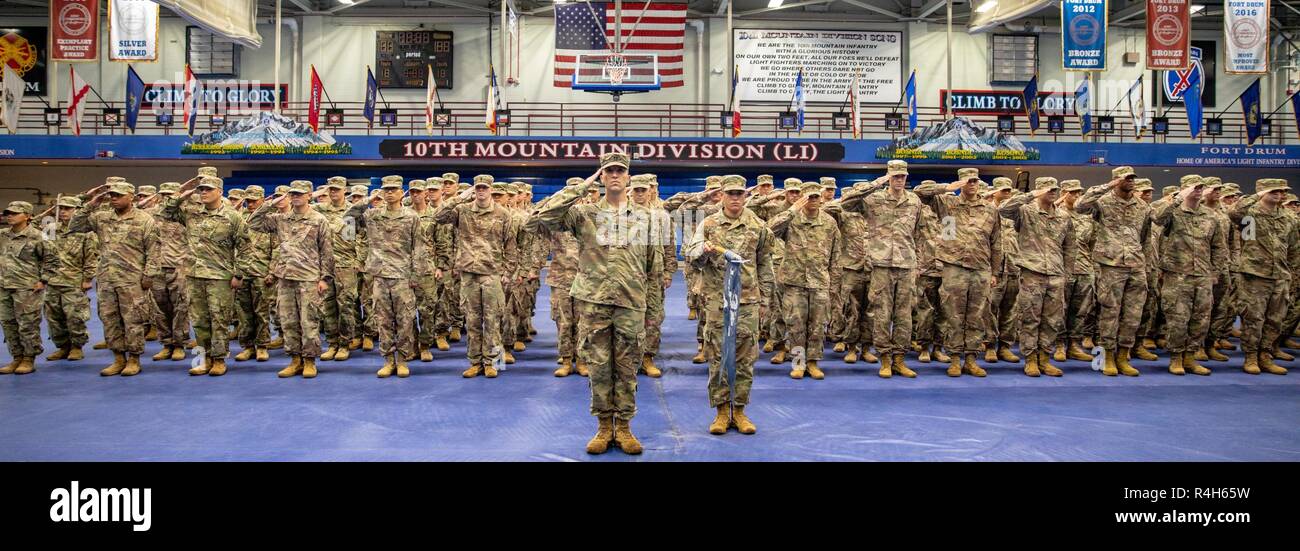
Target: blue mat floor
point(65, 411)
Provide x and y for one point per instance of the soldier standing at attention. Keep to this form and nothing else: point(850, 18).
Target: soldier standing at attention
point(128, 262)
point(1001, 314)
point(616, 263)
point(564, 267)
point(1270, 250)
point(170, 293)
point(338, 309)
point(455, 319)
point(851, 321)
point(426, 274)
point(767, 207)
point(1046, 239)
point(26, 264)
point(253, 296)
point(1081, 289)
point(394, 245)
point(67, 308)
point(303, 268)
point(1193, 246)
point(812, 240)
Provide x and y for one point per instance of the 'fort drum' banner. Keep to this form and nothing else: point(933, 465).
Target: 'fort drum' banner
point(1083, 35)
point(1169, 25)
point(1245, 30)
point(581, 150)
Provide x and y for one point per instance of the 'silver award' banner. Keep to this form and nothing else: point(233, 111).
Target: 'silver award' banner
point(132, 30)
point(74, 30)
point(1169, 25)
point(1245, 30)
point(1083, 35)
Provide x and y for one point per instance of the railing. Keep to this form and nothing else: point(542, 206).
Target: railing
point(666, 120)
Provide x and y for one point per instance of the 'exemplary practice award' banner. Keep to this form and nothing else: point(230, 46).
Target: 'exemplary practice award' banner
point(74, 30)
point(1245, 30)
point(1168, 34)
point(1083, 35)
point(132, 30)
point(768, 60)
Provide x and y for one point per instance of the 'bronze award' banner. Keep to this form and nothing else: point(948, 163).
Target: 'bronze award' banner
point(1245, 30)
point(1169, 25)
point(74, 30)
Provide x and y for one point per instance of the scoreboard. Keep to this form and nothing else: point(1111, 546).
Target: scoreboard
point(401, 57)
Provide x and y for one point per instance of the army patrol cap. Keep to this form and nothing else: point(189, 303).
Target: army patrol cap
point(207, 171)
point(528, 188)
point(765, 179)
point(280, 190)
point(512, 188)
point(1123, 172)
point(810, 188)
point(1142, 185)
point(358, 190)
point(1168, 191)
point(791, 184)
point(827, 182)
point(433, 182)
point(70, 201)
point(169, 188)
point(968, 173)
point(573, 181)
point(1071, 185)
point(498, 188)
point(391, 181)
point(639, 181)
point(654, 179)
point(1270, 184)
point(483, 179)
point(300, 186)
point(1230, 189)
point(1186, 182)
point(122, 188)
point(1290, 198)
point(615, 158)
point(336, 182)
point(114, 180)
point(462, 186)
point(452, 176)
point(714, 182)
point(927, 182)
point(146, 191)
point(1000, 183)
point(214, 183)
point(1046, 182)
point(19, 207)
point(254, 193)
point(416, 185)
point(1212, 181)
point(235, 194)
point(896, 166)
point(733, 182)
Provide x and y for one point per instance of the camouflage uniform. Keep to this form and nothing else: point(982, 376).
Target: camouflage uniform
point(1121, 229)
point(67, 308)
point(304, 257)
point(26, 261)
point(614, 269)
point(395, 243)
point(767, 207)
point(1045, 238)
point(1152, 325)
point(1227, 305)
point(661, 232)
point(564, 266)
point(427, 299)
point(1193, 246)
point(747, 236)
point(695, 208)
point(214, 236)
point(811, 263)
point(850, 314)
point(484, 246)
point(339, 311)
point(1081, 290)
point(170, 304)
point(1270, 251)
point(970, 245)
point(452, 314)
point(925, 310)
point(254, 296)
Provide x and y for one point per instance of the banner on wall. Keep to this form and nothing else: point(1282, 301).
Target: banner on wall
point(1004, 102)
point(770, 59)
point(233, 19)
point(74, 30)
point(132, 30)
point(1083, 35)
point(1201, 61)
point(958, 138)
point(1245, 31)
point(23, 50)
point(266, 133)
point(1169, 25)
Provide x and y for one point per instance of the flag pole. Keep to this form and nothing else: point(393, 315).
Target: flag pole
point(1281, 105)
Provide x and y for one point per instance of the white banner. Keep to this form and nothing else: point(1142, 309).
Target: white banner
point(233, 19)
point(1245, 30)
point(768, 60)
point(132, 30)
point(11, 98)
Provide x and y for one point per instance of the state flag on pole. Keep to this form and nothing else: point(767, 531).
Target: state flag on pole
point(313, 105)
point(911, 102)
point(372, 91)
point(77, 92)
point(191, 98)
point(735, 103)
point(431, 97)
point(134, 97)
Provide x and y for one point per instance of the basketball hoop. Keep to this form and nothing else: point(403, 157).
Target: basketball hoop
point(616, 69)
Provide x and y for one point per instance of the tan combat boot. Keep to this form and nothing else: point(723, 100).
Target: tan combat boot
point(867, 356)
point(202, 368)
point(852, 356)
point(1141, 353)
point(328, 355)
point(520, 346)
point(426, 355)
point(1200, 355)
point(769, 346)
point(454, 334)
point(1251, 365)
point(566, 367)
point(1176, 363)
point(779, 357)
point(26, 364)
point(954, 366)
point(1148, 344)
point(1059, 353)
point(648, 365)
point(699, 354)
point(309, 368)
point(294, 367)
point(1121, 362)
point(151, 335)
point(58, 355)
point(1225, 344)
point(1088, 343)
point(924, 355)
point(387, 370)
point(1046, 367)
point(75, 354)
point(972, 368)
point(741, 421)
point(119, 363)
point(886, 367)
point(1110, 368)
point(1031, 365)
point(721, 421)
point(490, 369)
point(1189, 364)
point(178, 353)
point(1162, 343)
point(473, 371)
point(1004, 353)
point(247, 354)
point(262, 354)
point(839, 348)
point(164, 354)
point(901, 369)
point(814, 371)
point(354, 344)
point(1281, 355)
point(604, 435)
point(218, 367)
point(991, 353)
point(507, 357)
point(1212, 353)
point(581, 368)
point(132, 365)
point(101, 345)
point(1077, 353)
point(1266, 363)
point(275, 344)
point(1235, 332)
point(402, 370)
point(441, 342)
point(12, 366)
point(367, 344)
point(691, 315)
point(624, 438)
point(938, 354)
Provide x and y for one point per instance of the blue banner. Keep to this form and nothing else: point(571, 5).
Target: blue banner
point(1083, 106)
point(1295, 110)
point(1192, 101)
point(1083, 35)
point(911, 102)
point(1250, 111)
point(1030, 98)
point(134, 97)
point(372, 90)
point(799, 102)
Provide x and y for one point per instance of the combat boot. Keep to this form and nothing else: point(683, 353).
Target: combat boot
point(1266, 363)
point(202, 368)
point(924, 355)
point(115, 368)
point(1292, 344)
point(972, 368)
point(441, 342)
point(691, 315)
point(852, 356)
point(902, 369)
point(1162, 343)
point(1059, 353)
point(1176, 363)
point(294, 367)
point(1200, 355)
point(867, 356)
point(354, 344)
point(1251, 365)
point(275, 344)
point(796, 371)
point(1148, 344)
point(1121, 362)
point(1088, 343)
point(1004, 353)
point(328, 355)
point(699, 354)
point(1189, 364)
point(367, 344)
point(152, 335)
point(1077, 353)
point(566, 367)
point(26, 364)
point(814, 371)
point(218, 367)
point(839, 348)
point(624, 438)
point(453, 335)
point(490, 369)
point(101, 345)
point(648, 365)
point(13, 366)
point(164, 354)
point(954, 366)
point(387, 370)
point(178, 353)
point(1212, 353)
point(916, 346)
point(1225, 344)
point(604, 435)
point(741, 421)
point(520, 346)
point(59, 355)
point(473, 371)
point(75, 354)
point(1282, 355)
point(341, 353)
point(132, 365)
point(1109, 368)
point(403, 371)
point(581, 368)
point(1046, 367)
point(309, 368)
point(886, 367)
point(247, 354)
point(721, 421)
point(938, 354)
point(1142, 353)
point(769, 346)
point(1031, 365)
point(779, 357)
point(991, 354)
point(426, 355)
point(508, 357)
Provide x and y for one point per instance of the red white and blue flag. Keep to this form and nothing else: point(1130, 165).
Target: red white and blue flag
point(191, 107)
point(587, 28)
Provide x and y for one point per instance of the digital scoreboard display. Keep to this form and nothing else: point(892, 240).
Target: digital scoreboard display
point(401, 58)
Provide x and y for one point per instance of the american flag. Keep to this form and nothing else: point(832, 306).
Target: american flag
point(662, 31)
